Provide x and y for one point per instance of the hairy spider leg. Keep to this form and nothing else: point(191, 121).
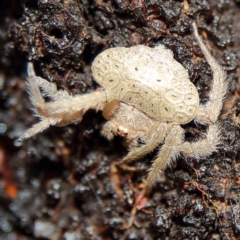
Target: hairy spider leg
point(209, 112)
point(63, 110)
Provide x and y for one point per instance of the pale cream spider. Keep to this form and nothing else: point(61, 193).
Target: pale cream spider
point(144, 94)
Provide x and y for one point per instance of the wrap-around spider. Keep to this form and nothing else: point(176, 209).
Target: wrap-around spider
point(144, 94)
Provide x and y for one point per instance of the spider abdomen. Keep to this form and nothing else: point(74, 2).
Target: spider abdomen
point(149, 79)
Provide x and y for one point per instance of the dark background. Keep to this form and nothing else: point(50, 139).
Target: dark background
point(61, 184)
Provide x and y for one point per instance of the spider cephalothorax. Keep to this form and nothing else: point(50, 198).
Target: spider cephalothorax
point(144, 94)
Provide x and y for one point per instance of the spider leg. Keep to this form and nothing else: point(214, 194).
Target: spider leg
point(168, 153)
point(64, 109)
point(48, 89)
point(204, 147)
point(209, 113)
point(159, 132)
point(174, 145)
point(39, 127)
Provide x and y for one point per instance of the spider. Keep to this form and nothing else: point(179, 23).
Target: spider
point(144, 94)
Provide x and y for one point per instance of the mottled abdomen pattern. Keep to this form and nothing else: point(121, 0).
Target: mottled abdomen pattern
point(149, 79)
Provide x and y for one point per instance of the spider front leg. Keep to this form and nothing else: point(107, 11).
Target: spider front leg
point(48, 89)
point(209, 113)
point(63, 109)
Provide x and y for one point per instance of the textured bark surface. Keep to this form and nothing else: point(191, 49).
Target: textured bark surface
point(62, 184)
